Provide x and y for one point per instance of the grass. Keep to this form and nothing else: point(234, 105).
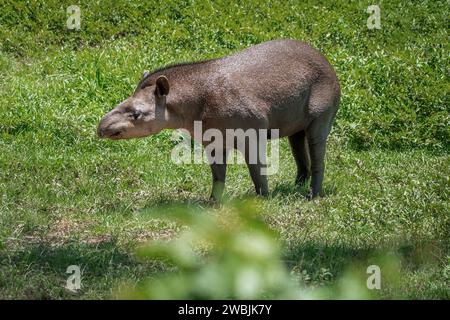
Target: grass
point(68, 198)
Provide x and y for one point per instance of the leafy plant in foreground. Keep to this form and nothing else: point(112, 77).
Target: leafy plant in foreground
point(234, 255)
point(230, 255)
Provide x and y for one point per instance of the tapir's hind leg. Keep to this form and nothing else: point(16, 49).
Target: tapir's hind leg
point(317, 146)
point(299, 147)
point(326, 98)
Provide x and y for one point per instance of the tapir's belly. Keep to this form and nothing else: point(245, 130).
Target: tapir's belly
point(287, 119)
point(285, 110)
point(290, 116)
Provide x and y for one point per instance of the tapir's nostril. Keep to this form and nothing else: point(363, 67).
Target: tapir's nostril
point(101, 129)
point(99, 132)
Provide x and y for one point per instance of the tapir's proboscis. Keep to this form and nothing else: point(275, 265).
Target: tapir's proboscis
point(282, 84)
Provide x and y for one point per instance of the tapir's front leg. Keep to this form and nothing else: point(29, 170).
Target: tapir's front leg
point(257, 166)
point(219, 170)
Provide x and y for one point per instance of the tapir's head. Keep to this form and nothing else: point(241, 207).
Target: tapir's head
point(140, 115)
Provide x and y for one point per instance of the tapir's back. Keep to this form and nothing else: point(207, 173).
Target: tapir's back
point(281, 77)
point(287, 60)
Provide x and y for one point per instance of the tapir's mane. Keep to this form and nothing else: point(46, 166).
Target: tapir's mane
point(181, 64)
point(169, 67)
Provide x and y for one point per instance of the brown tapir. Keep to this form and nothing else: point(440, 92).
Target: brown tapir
point(281, 84)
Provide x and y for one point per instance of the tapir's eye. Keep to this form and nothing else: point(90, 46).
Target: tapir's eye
point(136, 114)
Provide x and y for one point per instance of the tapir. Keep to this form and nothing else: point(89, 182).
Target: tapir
point(285, 85)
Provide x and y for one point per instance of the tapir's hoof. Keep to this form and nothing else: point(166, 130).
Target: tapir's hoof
point(262, 195)
point(215, 200)
point(312, 195)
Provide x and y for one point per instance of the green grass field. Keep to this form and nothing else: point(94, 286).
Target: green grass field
point(68, 198)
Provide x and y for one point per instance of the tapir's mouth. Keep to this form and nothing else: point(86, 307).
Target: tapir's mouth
point(115, 135)
point(112, 130)
point(120, 130)
point(107, 133)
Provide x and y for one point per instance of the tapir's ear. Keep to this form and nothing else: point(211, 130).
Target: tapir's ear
point(145, 74)
point(162, 86)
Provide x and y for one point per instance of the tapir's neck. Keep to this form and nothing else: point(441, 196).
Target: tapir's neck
point(173, 120)
point(184, 103)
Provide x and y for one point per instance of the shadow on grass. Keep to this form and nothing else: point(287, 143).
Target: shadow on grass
point(191, 201)
point(38, 271)
point(322, 263)
point(310, 256)
point(290, 188)
point(204, 202)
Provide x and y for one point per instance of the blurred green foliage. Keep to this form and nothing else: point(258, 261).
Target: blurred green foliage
point(231, 256)
point(235, 255)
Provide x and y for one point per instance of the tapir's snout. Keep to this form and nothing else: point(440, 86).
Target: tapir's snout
point(110, 126)
point(101, 130)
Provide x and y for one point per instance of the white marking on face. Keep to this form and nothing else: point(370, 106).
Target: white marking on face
point(144, 107)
